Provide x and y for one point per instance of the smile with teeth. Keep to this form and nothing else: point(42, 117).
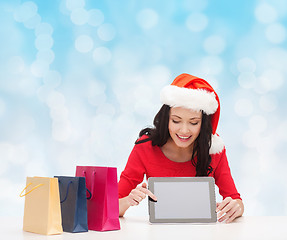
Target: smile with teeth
point(183, 137)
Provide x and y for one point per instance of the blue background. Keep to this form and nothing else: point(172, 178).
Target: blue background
point(80, 78)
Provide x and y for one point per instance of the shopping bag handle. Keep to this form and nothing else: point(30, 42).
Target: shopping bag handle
point(89, 197)
point(93, 182)
point(67, 192)
point(22, 195)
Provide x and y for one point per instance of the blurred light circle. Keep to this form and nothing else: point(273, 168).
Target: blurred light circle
point(258, 123)
point(214, 45)
point(101, 123)
point(59, 114)
point(106, 109)
point(268, 103)
point(16, 65)
point(276, 58)
point(96, 88)
point(44, 42)
point(147, 18)
point(96, 17)
point(84, 43)
point(265, 13)
point(32, 22)
point(246, 65)
point(212, 65)
point(39, 68)
point(79, 16)
point(246, 80)
point(106, 32)
point(43, 92)
point(143, 107)
point(158, 76)
point(102, 55)
point(55, 99)
point(46, 55)
point(143, 92)
point(196, 22)
point(44, 28)
point(28, 84)
point(74, 4)
point(8, 152)
point(243, 107)
point(52, 79)
point(271, 79)
point(25, 11)
point(98, 99)
point(275, 33)
point(61, 131)
point(250, 139)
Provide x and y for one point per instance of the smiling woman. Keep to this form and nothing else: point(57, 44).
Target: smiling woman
point(183, 143)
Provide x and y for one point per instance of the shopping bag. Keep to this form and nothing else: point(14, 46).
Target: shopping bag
point(103, 206)
point(42, 211)
point(73, 203)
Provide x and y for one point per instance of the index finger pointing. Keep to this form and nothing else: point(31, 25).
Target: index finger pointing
point(149, 193)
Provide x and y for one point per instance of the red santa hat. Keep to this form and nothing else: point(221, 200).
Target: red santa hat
point(193, 93)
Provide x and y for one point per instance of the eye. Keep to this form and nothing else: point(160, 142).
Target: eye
point(194, 123)
point(174, 121)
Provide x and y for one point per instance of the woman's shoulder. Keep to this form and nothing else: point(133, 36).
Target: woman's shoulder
point(143, 139)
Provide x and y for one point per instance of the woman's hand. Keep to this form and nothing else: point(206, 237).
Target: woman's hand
point(138, 194)
point(229, 209)
point(134, 198)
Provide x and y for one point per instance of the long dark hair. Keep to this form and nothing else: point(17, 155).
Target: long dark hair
point(159, 135)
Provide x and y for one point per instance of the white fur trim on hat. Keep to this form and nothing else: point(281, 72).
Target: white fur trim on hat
point(195, 99)
point(217, 144)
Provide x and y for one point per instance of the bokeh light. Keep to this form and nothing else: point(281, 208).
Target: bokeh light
point(147, 18)
point(196, 22)
point(84, 43)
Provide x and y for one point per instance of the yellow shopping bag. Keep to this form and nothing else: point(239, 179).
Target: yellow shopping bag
point(42, 212)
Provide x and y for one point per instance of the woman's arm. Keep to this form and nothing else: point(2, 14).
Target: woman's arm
point(229, 209)
point(123, 205)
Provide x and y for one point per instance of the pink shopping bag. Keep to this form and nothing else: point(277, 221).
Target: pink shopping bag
point(103, 206)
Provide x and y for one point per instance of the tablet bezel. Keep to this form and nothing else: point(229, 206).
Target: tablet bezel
point(152, 205)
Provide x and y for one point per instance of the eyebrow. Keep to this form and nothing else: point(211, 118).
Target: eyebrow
point(181, 118)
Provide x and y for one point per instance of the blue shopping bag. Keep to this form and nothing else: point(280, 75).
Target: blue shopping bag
point(73, 203)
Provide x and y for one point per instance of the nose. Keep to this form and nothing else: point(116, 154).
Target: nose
point(184, 129)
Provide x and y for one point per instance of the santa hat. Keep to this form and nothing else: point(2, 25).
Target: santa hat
point(194, 93)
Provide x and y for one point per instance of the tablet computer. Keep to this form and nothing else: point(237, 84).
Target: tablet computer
point(182, 200)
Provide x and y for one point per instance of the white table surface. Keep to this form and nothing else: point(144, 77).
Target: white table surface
point(137, 228)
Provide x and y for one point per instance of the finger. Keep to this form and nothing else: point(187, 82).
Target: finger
point(134, 202)
point(223, 204)
point(232, 217)
point(144, 189)
point(149, 193)
point(137, 195)
point(139, 192)
point(226, 209)
point(233, 212)
point(228, 216)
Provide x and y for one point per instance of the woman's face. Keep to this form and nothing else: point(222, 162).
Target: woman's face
point(184, 126)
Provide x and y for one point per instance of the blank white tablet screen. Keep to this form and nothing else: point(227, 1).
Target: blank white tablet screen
point(182, 200)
